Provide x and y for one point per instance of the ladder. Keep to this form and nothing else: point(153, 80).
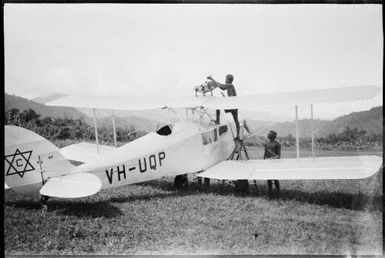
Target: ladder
point(239, 147)
point(241, 185)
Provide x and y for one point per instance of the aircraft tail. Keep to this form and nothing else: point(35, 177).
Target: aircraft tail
point(30, 160)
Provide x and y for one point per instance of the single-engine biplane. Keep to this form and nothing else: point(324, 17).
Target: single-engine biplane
point(34, 166)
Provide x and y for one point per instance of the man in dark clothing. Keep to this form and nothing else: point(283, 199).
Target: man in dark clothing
point(230, 93)
point(272, 151)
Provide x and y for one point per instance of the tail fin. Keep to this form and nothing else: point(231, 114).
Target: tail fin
point(30, 160)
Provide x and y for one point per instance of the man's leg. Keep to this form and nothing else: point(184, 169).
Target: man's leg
point(218, 113)
point(276, 182)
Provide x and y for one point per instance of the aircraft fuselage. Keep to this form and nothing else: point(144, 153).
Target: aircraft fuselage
point(189, 148)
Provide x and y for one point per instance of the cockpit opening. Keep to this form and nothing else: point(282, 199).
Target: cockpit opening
point(165, 130)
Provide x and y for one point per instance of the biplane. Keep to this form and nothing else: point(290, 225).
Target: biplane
point(36, 167)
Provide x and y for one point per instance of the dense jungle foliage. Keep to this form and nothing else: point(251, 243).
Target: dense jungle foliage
point(57, 129)
point(348, 139)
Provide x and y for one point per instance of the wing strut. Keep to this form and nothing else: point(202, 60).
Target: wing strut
point(312, 131)
point(176, 113)
point(113, 127)
point(96, 131)
point(297, 130)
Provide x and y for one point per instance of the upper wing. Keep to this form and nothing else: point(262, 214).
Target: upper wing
point(353, 167)
point(84, 152)
point(108, 102)
point(250, 102)
point(331, 95)
point(126, 102)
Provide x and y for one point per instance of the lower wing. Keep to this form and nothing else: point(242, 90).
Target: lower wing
point(352, 167)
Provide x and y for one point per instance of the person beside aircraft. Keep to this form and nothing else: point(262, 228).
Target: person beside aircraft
point(229, 87)
point(272, 151)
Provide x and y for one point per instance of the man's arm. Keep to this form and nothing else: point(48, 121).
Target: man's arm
point(220, 85)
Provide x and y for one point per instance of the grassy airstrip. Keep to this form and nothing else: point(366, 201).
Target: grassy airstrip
point(309, 217)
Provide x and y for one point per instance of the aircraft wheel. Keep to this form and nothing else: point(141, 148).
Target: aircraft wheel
point(181, 181)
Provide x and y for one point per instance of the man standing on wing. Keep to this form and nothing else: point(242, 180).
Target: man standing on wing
point(231, 93)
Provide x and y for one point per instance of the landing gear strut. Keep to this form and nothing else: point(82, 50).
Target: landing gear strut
point(206, 181)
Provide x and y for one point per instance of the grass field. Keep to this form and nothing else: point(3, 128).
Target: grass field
point(308, 217)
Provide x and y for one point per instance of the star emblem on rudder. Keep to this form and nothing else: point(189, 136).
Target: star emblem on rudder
point(18, 163)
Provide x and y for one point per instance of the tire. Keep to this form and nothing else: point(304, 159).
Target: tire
point(181, 181)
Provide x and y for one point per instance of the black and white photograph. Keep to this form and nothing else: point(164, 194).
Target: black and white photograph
point(193, 129)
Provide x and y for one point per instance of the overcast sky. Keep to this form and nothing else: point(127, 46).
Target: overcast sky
point(168, 49)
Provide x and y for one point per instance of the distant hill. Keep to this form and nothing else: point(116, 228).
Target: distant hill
point(12, 101)
point(263, 116)
point(370, 121)
point(46, 99)
point(139, 123)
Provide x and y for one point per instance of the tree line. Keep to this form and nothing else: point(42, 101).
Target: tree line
point(348, 139)
point(56, 129)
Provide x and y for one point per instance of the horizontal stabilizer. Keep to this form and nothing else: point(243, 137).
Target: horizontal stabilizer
point(72, 186)
point(353, 167)
point(84, 151)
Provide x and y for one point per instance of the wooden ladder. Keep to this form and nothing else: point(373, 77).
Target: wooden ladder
point(241, 185)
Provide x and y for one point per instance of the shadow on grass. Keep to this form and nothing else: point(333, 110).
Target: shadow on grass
point(142, 197)
point(24, 204)
point(72, 208)
point(335, 199)
point(358, 201)
point(168, 190)
point(86, 209)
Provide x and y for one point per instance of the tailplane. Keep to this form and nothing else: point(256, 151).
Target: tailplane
point(30, 160)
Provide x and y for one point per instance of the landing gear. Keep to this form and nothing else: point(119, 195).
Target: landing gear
point(205, 180)
point(181, 181)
